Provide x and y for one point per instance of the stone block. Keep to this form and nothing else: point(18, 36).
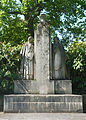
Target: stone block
point(63, 86)
point(43, 103)
point(25, 86)
point(1, 103)
point(31, 87)
point(84, 103)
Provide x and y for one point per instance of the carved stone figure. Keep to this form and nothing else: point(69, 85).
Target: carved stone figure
point(27, 53)
point(59, 70)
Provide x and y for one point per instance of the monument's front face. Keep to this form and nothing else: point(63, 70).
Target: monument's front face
point(42, 53)
point(41, 63)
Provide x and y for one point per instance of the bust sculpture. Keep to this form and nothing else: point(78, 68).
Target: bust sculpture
point(27, 53)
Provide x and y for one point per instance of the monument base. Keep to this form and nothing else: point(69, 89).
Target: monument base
point(26, 103)
point(31, 87)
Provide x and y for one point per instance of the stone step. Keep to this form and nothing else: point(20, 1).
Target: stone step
point(43, 103)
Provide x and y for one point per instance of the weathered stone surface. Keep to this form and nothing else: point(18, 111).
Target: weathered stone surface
point(26, 86)
point(1, 103)
point(27, 62)
point(42, 57)
point(59, 68)
point(30, 86)
point(63, 86)
point(43, 103)
point(84, 103)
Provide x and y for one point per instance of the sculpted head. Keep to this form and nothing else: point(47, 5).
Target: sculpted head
point(56, 40)
point(43, 18)
point(30, 39)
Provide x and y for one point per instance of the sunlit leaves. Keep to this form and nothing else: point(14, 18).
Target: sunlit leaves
point(77, 54)
point(64, 15)
point(9, 65)
point(76, 62)
point(61, 14)
point(13, 31)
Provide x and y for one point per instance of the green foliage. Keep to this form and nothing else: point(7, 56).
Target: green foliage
point(65, 16)
point(9, 66)
point(77, 52)
point(68, 18)
point(12, 29)
point(76, 61)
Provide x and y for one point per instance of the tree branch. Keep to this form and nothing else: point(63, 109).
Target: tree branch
point(37, 1)
point(15, 12)
point(38, 13)
point(40, 7)
point(21, 1)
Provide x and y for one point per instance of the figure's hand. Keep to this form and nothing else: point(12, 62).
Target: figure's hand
point(30, 56)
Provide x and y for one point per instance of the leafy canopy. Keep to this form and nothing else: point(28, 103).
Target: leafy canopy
point(76, 61)
point(65, 16)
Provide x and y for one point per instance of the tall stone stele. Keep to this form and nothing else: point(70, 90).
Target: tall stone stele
point(42, 57)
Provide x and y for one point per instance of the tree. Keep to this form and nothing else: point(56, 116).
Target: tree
point(62, 15)
point(76, 54)
point(9, 66)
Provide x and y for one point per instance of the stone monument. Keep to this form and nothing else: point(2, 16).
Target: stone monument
point(43, 86)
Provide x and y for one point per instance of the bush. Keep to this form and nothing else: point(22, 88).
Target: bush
point(9, 66)
point(76, 61)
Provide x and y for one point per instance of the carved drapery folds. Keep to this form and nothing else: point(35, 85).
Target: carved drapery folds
point(58, 52)
point(27, 66)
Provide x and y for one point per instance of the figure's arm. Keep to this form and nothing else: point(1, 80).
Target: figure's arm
point(23, 50)
point(31, 53)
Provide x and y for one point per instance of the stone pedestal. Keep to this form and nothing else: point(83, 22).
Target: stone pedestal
point(26, 87)
point(42, 103)
point(31, 87)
